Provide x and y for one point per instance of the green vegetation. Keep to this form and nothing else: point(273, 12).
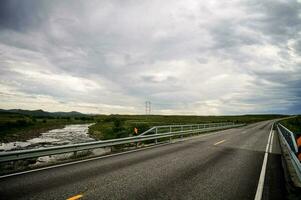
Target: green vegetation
point(293, 124)
point(117, 126)
point(21, 125)
point(16, 126)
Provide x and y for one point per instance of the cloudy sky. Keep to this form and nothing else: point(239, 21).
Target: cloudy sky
point(185, 56)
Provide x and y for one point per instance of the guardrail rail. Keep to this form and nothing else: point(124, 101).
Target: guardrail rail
point(288, 139)
point(155, 133)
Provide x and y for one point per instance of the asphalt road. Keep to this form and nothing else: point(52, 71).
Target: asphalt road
point(221, 165)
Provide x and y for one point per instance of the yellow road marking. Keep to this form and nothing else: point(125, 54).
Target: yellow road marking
point(219, 142)
point(75, 197)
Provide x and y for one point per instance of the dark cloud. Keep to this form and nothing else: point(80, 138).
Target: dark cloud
point(21, 16)
point(279, 20)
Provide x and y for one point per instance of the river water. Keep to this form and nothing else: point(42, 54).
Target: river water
point(70, 134)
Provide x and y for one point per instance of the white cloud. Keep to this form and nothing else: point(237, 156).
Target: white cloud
point(187, 57)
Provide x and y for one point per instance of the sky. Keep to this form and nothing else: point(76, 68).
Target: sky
point(188, 57)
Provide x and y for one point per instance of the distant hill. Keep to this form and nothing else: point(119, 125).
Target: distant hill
point(72, 113)
point(42, 113)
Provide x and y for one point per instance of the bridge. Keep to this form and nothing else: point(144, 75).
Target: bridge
point(233, 161)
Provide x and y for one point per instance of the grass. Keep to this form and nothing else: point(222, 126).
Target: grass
point(293, 124)
point(24, 126)
point(116, 126)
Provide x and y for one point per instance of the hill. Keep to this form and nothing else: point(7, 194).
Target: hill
point(42, 113)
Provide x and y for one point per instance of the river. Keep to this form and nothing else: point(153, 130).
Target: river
point(70, 134)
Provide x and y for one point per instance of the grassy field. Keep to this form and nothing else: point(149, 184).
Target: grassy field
point(293, 124)
point(21, 127)
point(116, 126)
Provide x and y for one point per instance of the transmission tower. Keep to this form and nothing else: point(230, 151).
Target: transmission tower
point(148, 106)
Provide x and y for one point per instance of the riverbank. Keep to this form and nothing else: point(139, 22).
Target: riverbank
point(19, 127)
point(70, 134)
point(28, 133)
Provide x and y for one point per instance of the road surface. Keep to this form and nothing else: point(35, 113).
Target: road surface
point(221, 165)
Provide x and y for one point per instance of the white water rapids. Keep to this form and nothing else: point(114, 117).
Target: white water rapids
point(70, 134)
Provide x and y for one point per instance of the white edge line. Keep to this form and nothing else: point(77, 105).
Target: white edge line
point(272, 139)
point(260, 185)
point(107, 156)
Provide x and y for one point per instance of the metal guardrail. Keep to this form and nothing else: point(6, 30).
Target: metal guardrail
point(288, 138)
point(171, 128)
point(171, 132)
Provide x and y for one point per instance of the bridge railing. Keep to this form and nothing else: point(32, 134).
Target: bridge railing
point(152, 134)
point(184, 127)
point(288, 138)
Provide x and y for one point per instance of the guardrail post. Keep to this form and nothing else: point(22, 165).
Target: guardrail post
point(156, 132)
point(170, 129)
point(182, 131)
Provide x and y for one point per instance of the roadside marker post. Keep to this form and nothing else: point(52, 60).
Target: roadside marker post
point(136, 132)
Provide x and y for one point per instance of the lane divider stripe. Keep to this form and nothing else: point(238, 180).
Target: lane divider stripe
point(219, 142)
point(75, 197)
